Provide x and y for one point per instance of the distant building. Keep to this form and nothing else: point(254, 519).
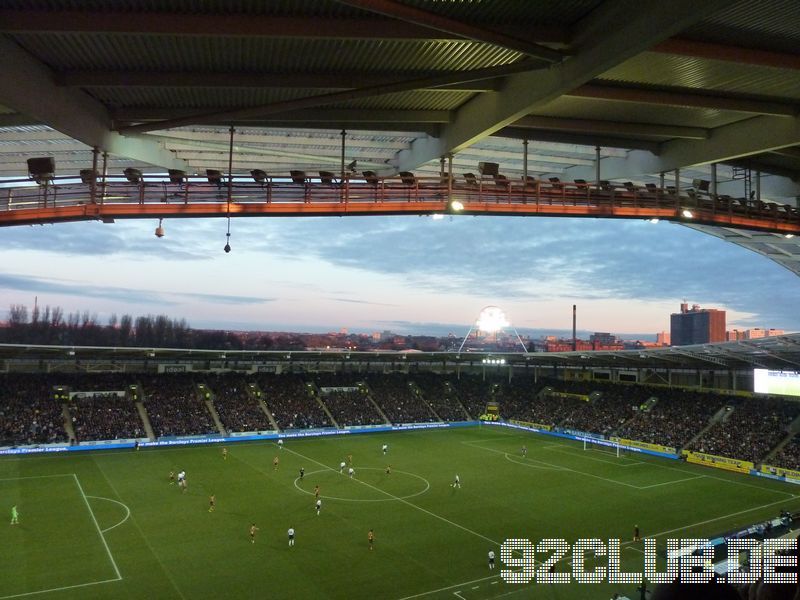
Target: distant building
point(604, 339)
point(697, 325)
point(662, 339)
point(752, 334)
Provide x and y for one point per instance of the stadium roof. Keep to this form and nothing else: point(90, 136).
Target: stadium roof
point(656, 85)
point(777, 353)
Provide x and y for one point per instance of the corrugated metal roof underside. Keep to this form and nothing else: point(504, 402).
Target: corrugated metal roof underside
point(627, 112)
point(251, 55)
point(766, 24)
point(651, 68)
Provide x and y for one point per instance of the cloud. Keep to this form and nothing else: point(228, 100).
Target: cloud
point(129, 295)
point(354, 301)
point(548, 258)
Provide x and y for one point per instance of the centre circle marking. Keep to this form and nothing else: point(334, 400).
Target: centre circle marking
point(392, 499)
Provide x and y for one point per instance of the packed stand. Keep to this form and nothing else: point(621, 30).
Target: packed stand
point(174, 408)
point(607, 413)
point(237, 408)
point(753, 428)
point(516, 396)
point(29, 414)
point(474, 392)
point(348, 407)
point(674, 419)
point(105, 417)
point(789, 456)
point(95, 382)
point(441, 396)
point(292, 403)
point(352, 408)
point(398, 399)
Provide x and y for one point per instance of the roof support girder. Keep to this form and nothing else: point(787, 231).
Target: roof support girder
point(612, 33)
point(69, 111)
point(411, 14)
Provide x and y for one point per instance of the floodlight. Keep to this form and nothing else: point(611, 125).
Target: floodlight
point(489, 168)
point(456, 206)
point(352, 166)
point(133, 175)
point(326, 177)
point(88, 176)
point(177, 176)
point(214, 177)
point(259, 176)
point(789, 236)
point(437, 216)
point(653, 220)
point(160, 229)
point(492, 319)
point(687, 213)
point(298, 176)
point(42, 170)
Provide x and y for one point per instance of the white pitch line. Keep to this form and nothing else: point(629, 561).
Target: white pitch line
point(655, 485)
point(58, 589)
point(377, 489)
point(565, 450)
point(99, 531)
point(125, 506)
point(527, 460)
point(449, 587)
point(525, 464)
point(38, 477)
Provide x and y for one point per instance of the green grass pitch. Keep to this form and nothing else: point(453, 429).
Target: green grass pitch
point(109, 525)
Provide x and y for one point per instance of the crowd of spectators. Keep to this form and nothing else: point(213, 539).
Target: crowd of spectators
point(292, 402)
point(789, 456)
point(473, 391)
point(675, 418)
point(397, 397)
point(29, 413)
point(237, 408)
point(105, 417)
point(174, 406)
point(438, 392)
point(753, 428)
point(352, 408)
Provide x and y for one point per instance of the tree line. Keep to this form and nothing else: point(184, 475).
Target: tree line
point(51, 326)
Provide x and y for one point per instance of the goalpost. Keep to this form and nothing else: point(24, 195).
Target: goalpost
point(604, 446)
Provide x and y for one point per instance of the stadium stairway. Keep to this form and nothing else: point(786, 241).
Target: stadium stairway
point(318, 397)
point(421, 397)
point(647, 404)
point(792, 430)
point(204, 393)
point(721, 415)
point(375, 404)
point(255, 393)
point(148, 428)
point(68, 424)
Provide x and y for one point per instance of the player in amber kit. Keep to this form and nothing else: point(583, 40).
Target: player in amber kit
point(212, 503)
point(275, 463)
point(636, 536)
point(316, 492)
point(253, 530)
point(224, 453)
point(371, 539)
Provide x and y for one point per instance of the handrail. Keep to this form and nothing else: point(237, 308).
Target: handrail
point(154, 197)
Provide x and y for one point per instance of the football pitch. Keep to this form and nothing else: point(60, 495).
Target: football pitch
point(109, 524)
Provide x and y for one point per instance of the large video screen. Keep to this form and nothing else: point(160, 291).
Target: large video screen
point(786, 383)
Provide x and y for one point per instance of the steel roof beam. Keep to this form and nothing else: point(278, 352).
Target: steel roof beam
point(611, 127)
point(69, 111)
point(329, 116)
point(335, 97)
point(587, 139)
point(614, 32)
point(411, 14)
point(685, 97)
point(321, 80)
point(727, 143)
point(235, 25)
point(722, 52)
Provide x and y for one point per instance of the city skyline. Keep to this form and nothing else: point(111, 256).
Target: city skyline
point(400, 273)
